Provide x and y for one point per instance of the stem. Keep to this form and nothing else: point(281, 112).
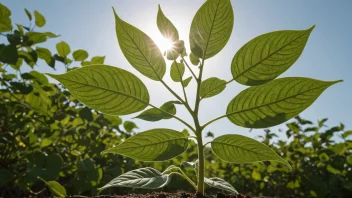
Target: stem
point(189, 68)
point(200, 164)
point(215, 119)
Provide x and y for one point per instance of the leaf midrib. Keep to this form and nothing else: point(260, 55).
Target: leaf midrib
point(150, 144)
point(270, 103)
point(273, 53)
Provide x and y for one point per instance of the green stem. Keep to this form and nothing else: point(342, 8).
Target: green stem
point(189, 68)
point(200, 165)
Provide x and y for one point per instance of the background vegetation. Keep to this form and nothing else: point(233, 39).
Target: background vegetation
point(45, 132)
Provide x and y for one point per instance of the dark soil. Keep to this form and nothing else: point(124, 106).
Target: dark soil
point(166, 195)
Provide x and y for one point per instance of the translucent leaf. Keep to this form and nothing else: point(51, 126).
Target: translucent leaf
point(39, 19)
point(211, 87)
point(147, 178)
point(63, 49)
point(56, 188)
point(241, 149)
point(275, 102)
point(106, 88)
point(80, 55)
point(46, 55)
point(211, 28)
point(152, 145)
point(129, 126)
point(267, 56)
point(177, 70)
point(140, 50)
point(187, 81)
point(97, 60)
point(29, 15)
point(220, 184)
point(154, 114)
point(166, 28)
point(194, 59)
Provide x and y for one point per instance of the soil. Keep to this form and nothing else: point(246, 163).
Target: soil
point(166, 195)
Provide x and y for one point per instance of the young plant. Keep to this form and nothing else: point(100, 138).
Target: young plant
point(267, 102)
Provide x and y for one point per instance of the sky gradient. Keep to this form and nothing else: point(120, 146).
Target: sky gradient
point(89, 25)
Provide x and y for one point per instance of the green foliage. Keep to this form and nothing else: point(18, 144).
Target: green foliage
point(52, 133)
point(152, 145)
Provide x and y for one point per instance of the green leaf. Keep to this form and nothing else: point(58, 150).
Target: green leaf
point(187, 81)
point(177, 70)
point(8, 54)
point(80, 55)
point(346, 134)
point(39, 19)
point(63, 49)
point(50, 34)
point(97, 60)
point(275, 102)
point(147, 178)
point(211, 28)
point(267, 56)
point(56, 188)
point(240, 150)
point(36, 37)
point(29, 15)
point(166, 28)
point(154, 114)
point(45, 142)
point(129, 126)
point(106, 88)
point(211, 87)
point(219, 183)
point(5, 20)
point(46, 55)
point(30, 57)
point(85, 63)
point(256, 175)
point(140, 50)
point(194, 59)
point(152, 145)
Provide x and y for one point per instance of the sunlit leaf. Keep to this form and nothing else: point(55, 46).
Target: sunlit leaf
point(221, 184)
point(177, 70)
point(267, 56)
point(187, 81)
point(36, 37)
point(211, 28)
point(275, 102)
point(166, 28)
point(140, 50)
point(45, 54)
point(129, 126)
point(211, 87)
point(56, 188)
point(39, 19)
point(107, 89)
point(147, 178)
point(194, 59)
point(5, 21)
point(80, 55)
point(152, 145)
point(154, 114)
point(97, 60)
point(63, 49)
point(241, 149)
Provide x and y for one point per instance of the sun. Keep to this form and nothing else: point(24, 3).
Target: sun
point(165, 44)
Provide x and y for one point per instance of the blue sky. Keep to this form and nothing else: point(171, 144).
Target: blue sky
point(89, 25)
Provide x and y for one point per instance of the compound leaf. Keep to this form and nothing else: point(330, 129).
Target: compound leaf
point(177, 70)
point(140, 50)
point(152, 145)
point(106, 88)
point(211, 28)
point(166, 28)
point(219, 183)
point(147, 178)
point(241, 149)
point(80, 55)
point(275, 102)
point(211, 87)
point(267, 56)
point(39, 19)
